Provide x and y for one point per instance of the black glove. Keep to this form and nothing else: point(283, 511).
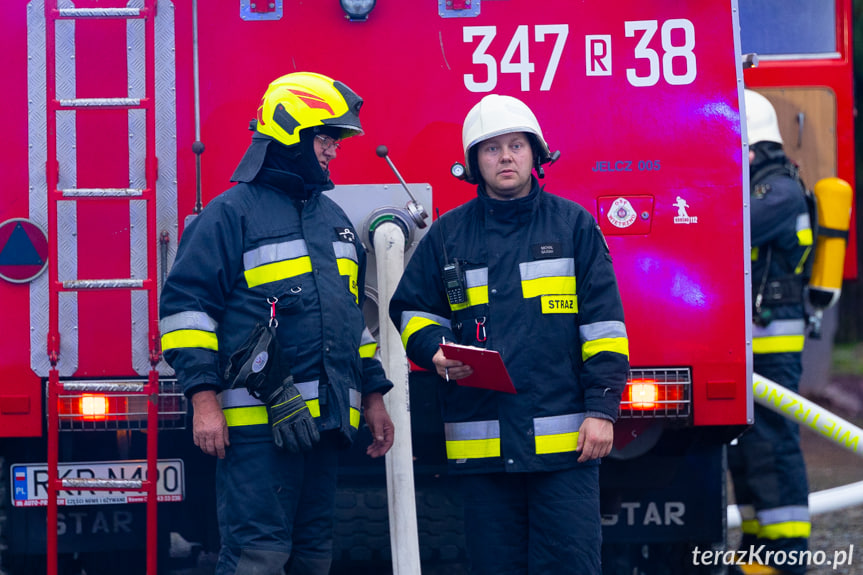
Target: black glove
point(294, 428)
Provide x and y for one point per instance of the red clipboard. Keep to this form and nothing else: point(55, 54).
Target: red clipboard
point(489, 372)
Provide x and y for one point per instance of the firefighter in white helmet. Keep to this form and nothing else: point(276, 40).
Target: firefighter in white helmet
point(264, 308)
point(767, 465)
point(528, 274)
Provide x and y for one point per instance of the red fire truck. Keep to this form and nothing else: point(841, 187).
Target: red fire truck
point(125, 117)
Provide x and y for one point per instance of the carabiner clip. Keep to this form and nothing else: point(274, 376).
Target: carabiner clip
point(273, 301)
point(480, 329)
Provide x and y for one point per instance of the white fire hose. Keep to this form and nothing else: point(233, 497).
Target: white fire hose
point(389, 245)
point(810, 415)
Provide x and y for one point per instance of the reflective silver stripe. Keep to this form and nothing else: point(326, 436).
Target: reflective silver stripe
point(476, 278)
point(345, 250)
point(803, 222)
point(602, 330)
point(557, 424)
point(407, 316)
point(367, 338)
point(355, 398)
point(470, 430)
point(187, 320)
point(308, 389)
point(560, 267)
point(780, 327)
point(275, 253)
point(240, 396)
point(783, 514)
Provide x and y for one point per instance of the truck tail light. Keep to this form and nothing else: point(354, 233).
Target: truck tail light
point(87, 405)
point(93, 407)
point(657, 392)
point(641, 394)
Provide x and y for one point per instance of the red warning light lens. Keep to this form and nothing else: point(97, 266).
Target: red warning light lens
point(93, 407)
point(642, 394)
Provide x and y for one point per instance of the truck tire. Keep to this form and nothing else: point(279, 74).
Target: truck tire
point(362, 536)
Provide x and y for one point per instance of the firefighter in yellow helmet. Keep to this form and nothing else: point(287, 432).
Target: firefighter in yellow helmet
point(261, 318)
point(767, 465)
point(538, 286)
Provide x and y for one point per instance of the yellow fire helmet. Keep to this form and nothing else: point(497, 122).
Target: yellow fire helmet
point(303, 100)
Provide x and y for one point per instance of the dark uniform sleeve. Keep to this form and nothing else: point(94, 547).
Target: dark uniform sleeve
point(419, 307)
point(602, 332)
point(193, 298)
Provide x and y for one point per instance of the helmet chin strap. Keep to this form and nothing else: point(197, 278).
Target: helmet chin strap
point(540, 171)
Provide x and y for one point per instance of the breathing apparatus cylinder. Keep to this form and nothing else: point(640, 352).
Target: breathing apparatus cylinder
point(834, 218)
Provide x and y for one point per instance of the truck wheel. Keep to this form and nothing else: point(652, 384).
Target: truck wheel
point(362, 536)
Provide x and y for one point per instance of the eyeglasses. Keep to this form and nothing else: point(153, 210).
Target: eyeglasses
point(328, 143)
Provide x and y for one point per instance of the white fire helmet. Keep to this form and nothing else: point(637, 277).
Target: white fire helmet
point(761, 122)
point(495, 115)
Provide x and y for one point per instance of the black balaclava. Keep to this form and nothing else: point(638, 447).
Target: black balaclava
point(766, 153)
point(300, 159)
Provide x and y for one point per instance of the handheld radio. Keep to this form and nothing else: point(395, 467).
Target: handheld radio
point(452, 275)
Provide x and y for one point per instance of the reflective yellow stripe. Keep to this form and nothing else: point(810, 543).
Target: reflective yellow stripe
point(350, 269)
point(804, 237)
point(754, 254)
point(749, 527)
point(785, 530)
point(239, 416)
point(778, 344)
point(190, 338)
point(257, 414)
point(562, 285)
point(368, 350)
point(355, 399)
point(415, 324)
point(473, 448)
point(475, 296)
point(559, 443)
point(278, 271)
point(615, 344)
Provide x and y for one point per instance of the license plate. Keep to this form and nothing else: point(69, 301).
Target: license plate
point(29, 482)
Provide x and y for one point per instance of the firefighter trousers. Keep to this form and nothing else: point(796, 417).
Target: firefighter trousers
point(276, 508)
point(769, 472)
point(533, 523)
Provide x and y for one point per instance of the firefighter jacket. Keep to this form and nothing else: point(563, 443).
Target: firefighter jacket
point(273, 245)
point(541, 290)
point(782, 243)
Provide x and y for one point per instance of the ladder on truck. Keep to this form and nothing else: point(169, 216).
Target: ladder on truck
point(61, 13)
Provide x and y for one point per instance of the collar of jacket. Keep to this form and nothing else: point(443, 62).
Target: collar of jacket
point(519, 210)
point(767, 154)
point(290, 183)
